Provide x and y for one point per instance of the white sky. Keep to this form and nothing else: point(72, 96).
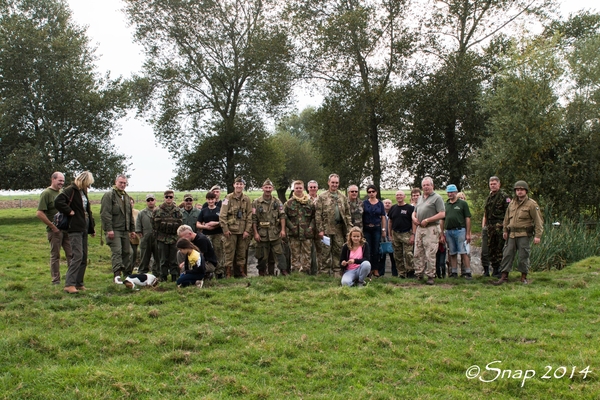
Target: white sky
point(152, 166)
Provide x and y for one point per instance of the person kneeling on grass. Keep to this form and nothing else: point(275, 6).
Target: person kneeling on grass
point(354, 259)
point(193, 267)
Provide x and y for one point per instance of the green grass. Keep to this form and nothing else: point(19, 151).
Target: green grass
point(294, 337)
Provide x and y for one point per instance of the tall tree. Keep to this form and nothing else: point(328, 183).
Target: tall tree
point(56, 113)
point(358, 49)
point(210, 60)
point(444, 122)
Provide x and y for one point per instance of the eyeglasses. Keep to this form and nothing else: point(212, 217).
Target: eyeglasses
point(168, 197)
point(189, 200)
point(371, 191)
point(354, 191)
point(149, 199)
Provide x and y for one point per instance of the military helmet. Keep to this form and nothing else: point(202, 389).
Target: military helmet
point(522, 185)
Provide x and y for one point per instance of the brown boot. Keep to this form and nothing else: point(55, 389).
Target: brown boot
point(524, 280)
point(503, 279)
point(71, 289)
point(262, 272)
point(227, 272)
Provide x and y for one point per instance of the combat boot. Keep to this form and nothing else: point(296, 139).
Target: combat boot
point(495, 272)
point(503, 279)
point(174, 277)
point(228, 272)
point(262, 272)
point(486, 270)
point(524, 280)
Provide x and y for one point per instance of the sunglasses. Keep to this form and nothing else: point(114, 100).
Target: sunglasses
point(168, 197)
point(149, 199)
point(354, 191)
point(371, 191)
point(188, 200)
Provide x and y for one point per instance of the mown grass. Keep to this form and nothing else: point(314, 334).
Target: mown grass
point(295, 337)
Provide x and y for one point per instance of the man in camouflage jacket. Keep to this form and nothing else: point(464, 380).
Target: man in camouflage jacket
point(268, 223)
point(300, 213)
point(356, 206)
point(332, 217)
point(236, 220)
point(492, 242)
point(166, 219)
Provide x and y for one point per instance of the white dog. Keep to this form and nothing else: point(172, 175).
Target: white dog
point(139, 280)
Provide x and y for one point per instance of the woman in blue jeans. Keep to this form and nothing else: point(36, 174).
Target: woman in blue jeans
point(373, 227)
point(354, 259)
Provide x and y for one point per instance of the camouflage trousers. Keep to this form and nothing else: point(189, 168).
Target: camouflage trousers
point(329, 260)
point(236, 251)
point(426, 246)
point(217, 243)
point(263, 250)
point(300, 252)
point(492, 245)
point(403, 252)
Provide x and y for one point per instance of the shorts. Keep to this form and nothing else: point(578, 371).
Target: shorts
point(456, 241)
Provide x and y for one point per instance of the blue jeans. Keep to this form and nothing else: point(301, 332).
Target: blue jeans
point(373, 237)
point(359, 273)
point(189, 279)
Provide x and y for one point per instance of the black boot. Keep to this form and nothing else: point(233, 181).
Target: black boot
point(174, 277)
point(495, 272)
point(486, 270)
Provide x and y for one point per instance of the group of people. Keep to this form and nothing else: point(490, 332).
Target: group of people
point(328, 233)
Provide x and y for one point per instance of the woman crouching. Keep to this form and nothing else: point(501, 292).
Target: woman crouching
point(193, 267)
point(355, 259)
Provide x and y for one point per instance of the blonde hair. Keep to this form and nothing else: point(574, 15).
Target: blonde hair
point(461, 196)
point(352, 230)
point(84, 180)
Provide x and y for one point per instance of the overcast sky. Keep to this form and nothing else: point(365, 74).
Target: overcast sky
point(107, 29)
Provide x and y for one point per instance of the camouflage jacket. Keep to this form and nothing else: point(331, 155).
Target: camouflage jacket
point(300, 221)
point(236, 214)
point(495, 207)
point(523, 218)
point(267, 216)
point(165, 221)
point(356, 212)
point(325, 212)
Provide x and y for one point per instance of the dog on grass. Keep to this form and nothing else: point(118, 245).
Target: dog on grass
point(139, 280)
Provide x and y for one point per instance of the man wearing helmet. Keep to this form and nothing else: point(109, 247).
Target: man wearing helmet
point(522, 221)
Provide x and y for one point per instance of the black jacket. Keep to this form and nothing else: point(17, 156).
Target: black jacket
point(76, 221)
point(345, 256)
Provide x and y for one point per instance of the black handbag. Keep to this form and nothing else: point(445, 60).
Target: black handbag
point(60, 220)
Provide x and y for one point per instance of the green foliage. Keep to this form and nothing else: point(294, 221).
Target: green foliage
point(441, 121)
point(292, 337)
point(358, 49)
point(298, 154)
point(211, 61)
point(565, 244)
point(544, 114)
point(246, 149)
point(55, 112)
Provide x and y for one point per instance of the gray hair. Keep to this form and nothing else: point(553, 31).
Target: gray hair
point(428, 179)
point(184, 228)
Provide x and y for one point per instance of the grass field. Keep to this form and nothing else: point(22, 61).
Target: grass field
point(292, 337)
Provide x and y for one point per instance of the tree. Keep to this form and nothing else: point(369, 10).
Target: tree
point(293, 139)
point(210, 61)
point(358, 49)
point(443, 122)
point(255, 158)
point(544, 119)
point(56, 114)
